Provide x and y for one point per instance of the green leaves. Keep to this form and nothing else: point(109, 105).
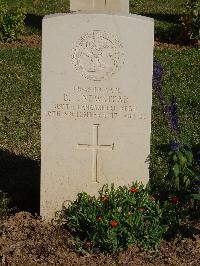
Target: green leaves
point(190, 21)
point(182, 170)
point(176, 170)
point(182, 159)
point(195, 196)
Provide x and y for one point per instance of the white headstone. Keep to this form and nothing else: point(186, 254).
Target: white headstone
point(100, 5)
point(96, 104)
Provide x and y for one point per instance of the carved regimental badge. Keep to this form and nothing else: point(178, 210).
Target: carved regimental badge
point(97, 55)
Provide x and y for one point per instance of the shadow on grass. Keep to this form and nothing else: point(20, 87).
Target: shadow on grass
point(34, 21)
point(171, 18)
point(168, 29)
point(20, 178)
point(169, 33)
point(167, 148)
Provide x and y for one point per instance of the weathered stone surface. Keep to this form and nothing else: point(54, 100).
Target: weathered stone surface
point(100, 5)
point(96, 104)
point(117, 5)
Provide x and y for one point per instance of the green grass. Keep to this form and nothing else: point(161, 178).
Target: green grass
point(42, 7)
point(182, 80)
point(157, 6)
point(20, 101)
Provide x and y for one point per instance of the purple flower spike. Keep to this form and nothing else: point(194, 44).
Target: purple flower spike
point(175, 146)
point(198, 158)
point(158, 72)
point(197, 186)
point(173, 117)
point(157, 76)
point(169, 110)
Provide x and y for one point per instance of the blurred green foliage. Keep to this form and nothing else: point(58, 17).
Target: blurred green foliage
point(11, 21)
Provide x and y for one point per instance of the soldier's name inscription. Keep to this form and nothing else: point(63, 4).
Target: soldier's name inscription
point(95, 102)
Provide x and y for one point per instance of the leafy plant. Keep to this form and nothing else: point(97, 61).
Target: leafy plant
point(182, 173)
point(115, 219)
point(190, 22)
point(184, 182)
point(175, 215)
point(11, 22)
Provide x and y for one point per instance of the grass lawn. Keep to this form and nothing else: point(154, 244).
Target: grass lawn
point(20, 101)
point(42, 7)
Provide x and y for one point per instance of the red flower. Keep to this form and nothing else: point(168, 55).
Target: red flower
point(99, 218)
point(175, 199)
point(113, 223)
point(142, 209)
point(104, 198)
point(133, 189)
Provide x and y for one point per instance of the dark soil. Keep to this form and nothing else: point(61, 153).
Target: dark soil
point(25, 240)
point(32, 41)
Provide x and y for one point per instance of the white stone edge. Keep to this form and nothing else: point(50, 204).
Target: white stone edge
point(99, 13)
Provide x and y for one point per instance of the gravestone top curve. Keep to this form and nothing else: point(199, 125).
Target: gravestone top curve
point(87, 12)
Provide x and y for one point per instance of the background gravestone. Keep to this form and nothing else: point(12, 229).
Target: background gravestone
point(100, 5)
point(96, 103)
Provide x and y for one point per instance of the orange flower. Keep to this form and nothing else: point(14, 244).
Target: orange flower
point(113, 223)
point(99, 218)
point(104, 198)
point(133, 189)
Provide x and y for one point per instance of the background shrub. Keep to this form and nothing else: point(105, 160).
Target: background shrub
point(11, 22)
point(190, 22)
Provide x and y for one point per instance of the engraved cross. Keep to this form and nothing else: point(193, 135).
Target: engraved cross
point(95, 147)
